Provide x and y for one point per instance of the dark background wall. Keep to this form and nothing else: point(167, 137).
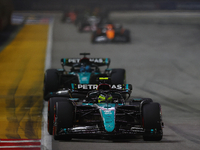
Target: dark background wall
point(59, 5)
point(6, 9)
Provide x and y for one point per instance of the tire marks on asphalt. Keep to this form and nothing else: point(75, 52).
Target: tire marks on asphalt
point(174, 104)
point(191, 137)
point(183, 70)
point(178, 106)
point(170, 87)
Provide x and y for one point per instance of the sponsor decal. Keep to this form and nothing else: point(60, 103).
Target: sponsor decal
point(117, 86)
point(106, 112)
point(108, 115)
point(84, 77)
point(87, 86)
point(101, 39)
point(73, 60)
point(95, 60)
point(103, 78)
point(94, 86)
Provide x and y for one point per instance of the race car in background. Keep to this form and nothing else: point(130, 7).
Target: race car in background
point(109, 32)
point(82, 70)
point(88, 20)
point(69, 17)
point(104, 113)
point(88, 23)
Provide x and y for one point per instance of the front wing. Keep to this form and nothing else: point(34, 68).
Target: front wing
point(94, 131)
point(104, 39)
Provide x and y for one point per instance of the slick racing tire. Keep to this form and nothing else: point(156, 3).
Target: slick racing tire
point(127, 35)
point(152, 122)
point(64, 114)
point(50, 116)
point(51, 82)
point(118, 76)
point(137, 102)
point(145, 100)
point(79, 27)
point(94, 35)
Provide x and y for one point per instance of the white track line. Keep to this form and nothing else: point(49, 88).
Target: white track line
point(49, 46)
point(46, 139)
point(20, 147)
point(20, 141)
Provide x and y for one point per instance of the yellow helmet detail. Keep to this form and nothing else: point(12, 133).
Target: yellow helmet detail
point(101, 98)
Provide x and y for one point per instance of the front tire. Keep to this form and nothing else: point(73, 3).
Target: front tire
point(50, 116)
point(152, 122)
point(118, 76)
point(127, 35)
point(51, 82)
point(93, 37)
point(64, 114)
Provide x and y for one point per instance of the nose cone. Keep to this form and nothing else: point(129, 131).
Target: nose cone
point(84, 77)
point(109, 121)
point(110, 34)
point(108, 114)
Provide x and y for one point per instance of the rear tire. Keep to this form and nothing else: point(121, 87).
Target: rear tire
point(50, 116)
point(64, 116)
point(127, 35)
point(93, 37)
point(152, 122)
point(118, 76)
point(51, 82)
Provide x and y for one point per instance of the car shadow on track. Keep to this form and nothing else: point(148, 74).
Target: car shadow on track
point(134, 139)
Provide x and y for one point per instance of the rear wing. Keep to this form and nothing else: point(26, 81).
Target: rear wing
point(123, 89)
point(96, 61)
point(83, 89)
point(90, 87)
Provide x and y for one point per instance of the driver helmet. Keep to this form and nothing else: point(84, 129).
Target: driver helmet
point(102, 98)
point(82, 69)
point(86, 68)
point(109, 26)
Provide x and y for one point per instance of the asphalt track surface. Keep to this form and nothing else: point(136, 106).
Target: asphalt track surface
point(162, 62)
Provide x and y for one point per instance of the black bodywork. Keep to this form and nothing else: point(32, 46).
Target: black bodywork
point(117, 118)
point(57, 79)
